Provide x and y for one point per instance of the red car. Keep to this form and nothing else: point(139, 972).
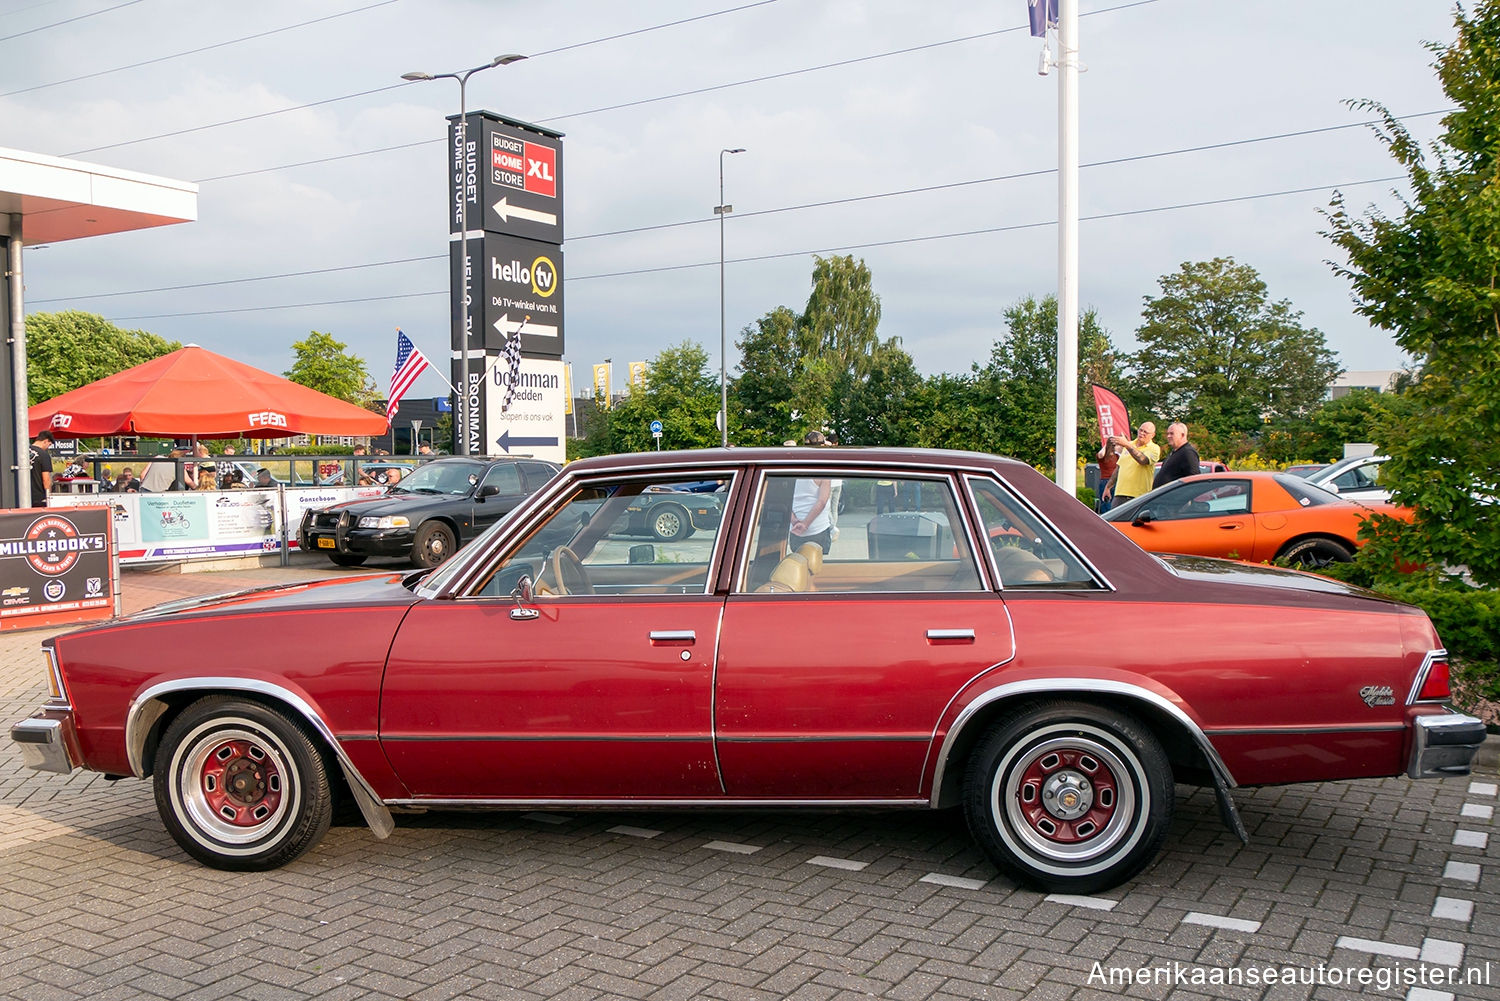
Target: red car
point(944, 655)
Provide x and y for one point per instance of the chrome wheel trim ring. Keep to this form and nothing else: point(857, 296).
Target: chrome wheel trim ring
point(190, 801)
point(1098, 852)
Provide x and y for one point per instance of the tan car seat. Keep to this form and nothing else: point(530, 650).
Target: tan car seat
point(790, 575)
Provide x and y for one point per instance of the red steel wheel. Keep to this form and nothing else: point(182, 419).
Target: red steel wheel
point(1069, 796)
point(240, 785)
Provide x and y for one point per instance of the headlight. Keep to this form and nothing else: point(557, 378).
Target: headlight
point(389, 521)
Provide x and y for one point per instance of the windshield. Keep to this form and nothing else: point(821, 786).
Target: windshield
point(452, 477)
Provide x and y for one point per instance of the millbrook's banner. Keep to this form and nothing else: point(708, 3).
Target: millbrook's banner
point(56, 566)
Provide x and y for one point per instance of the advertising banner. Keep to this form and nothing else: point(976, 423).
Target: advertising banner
point(513, 286)
point(205, 524)
point(534, 422)
point(511, 176)
point(56, 566)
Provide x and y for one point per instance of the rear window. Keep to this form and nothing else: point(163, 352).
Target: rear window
point(1303, 492)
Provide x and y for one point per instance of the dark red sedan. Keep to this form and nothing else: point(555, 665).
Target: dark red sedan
point(949, 653)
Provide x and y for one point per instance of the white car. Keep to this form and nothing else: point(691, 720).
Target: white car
point(1355, 478)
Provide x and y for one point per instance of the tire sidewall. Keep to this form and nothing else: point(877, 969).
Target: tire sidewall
point(419, 555)
point(1336, 552)
point(676, 510)
point(1126, 846)
point(305, 811)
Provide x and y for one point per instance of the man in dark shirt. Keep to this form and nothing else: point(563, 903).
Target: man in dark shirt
point(41, 468)
point(1183, 460)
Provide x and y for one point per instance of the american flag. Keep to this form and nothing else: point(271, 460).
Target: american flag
point(410, 363)
point(513, 363)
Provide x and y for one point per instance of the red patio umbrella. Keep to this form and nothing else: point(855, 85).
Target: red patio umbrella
point(194, 393)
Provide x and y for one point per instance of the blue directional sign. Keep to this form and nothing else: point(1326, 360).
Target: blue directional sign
point(656, 428)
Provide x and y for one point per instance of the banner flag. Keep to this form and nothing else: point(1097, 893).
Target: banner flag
point(1043, 16)
point(1113, 420)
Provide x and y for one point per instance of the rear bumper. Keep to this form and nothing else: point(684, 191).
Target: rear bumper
point(43, 744)
point(1444, 745)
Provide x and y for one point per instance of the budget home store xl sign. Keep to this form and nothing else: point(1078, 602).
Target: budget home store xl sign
point(508, 268)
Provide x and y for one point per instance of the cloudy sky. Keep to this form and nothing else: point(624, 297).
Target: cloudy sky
point(313, 156)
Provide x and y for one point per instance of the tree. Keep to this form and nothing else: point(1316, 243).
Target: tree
point(1018, 386)
point(1216, 351)
point(324, 364)
point(681, 391)
point(805, 371)
point(73, 348)
point(1429, 275)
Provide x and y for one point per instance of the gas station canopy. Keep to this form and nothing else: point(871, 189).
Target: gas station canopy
point(62, 199)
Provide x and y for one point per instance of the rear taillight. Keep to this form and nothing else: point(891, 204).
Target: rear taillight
point(1435, 688)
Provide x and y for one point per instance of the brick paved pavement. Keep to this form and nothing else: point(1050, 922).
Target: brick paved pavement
point(97, 902)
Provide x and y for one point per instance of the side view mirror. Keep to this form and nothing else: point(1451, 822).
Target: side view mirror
point(489, 490)
point(524, 597)
point(1144, 517)
point(645, 552)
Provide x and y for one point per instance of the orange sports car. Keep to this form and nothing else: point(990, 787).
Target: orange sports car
point(1248, 516)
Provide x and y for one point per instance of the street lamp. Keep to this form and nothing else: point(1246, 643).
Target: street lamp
point(721, 210)
point(463, 214)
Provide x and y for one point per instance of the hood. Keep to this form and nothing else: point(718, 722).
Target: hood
point(385, 588)
point(397, 503)
point(1211, 571)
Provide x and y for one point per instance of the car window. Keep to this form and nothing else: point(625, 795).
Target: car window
point(1303, 492)
point(865, 534)
point(1027, 553)
point(1200, 499)
point(1358, 478)
point(506, 476)
point(536, 475)
point(626, 537)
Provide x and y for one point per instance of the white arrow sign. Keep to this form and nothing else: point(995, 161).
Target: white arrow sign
point(505, 210)
point(505, 326)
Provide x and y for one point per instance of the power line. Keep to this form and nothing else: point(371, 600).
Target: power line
point(797, 253)
point(377, 90)
point(574, 114)
point(1133, 158)
point(191, 52)
point(56, 24)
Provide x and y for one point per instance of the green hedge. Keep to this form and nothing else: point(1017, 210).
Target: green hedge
point(1468, 623)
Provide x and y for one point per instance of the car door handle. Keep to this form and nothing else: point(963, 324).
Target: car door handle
point(1229, 526)
point(686, 637)
point(950, 635)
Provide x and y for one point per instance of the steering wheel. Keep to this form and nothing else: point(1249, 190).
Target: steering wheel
point(568, 575)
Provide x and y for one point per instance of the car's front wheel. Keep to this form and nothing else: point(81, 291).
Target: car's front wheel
point(240, 786)
point(434, 544)
point(1069, 797)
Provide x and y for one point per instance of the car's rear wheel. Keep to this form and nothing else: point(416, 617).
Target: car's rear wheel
point(434, 544)
point(1319, 552)
point(1068, 796)
point(347, 559)
point(669, 522)
point(240, 786)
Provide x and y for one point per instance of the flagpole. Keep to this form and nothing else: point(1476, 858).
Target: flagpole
point(1066, 455)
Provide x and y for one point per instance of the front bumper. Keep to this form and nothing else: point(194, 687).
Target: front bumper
point(359, 541)
point(1444, 745)
point(43, 744)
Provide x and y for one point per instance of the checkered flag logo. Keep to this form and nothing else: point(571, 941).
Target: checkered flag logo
point(513, 365)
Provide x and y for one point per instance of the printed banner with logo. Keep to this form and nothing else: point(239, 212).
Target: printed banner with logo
point(56, 566)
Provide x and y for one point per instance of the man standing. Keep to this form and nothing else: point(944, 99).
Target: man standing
point(1181, 461)
point(1133, 475)
point(161, 476)
point(1109, 461)
point(41, 468)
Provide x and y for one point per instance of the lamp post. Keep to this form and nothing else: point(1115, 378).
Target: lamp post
point(462, 77)
point(721, 210)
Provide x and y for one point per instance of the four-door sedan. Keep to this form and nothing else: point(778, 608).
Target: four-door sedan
point(428, 515)
point(943, 655)
point(1255, 517)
